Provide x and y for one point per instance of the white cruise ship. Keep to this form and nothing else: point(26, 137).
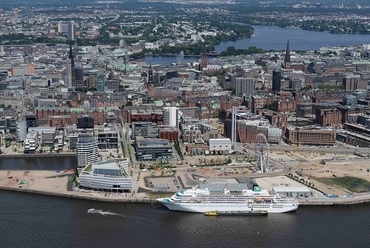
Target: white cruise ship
point(198, 200)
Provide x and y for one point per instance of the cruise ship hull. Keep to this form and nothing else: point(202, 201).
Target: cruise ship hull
point(206, 207)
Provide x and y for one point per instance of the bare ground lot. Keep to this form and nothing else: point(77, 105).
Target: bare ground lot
point(36, 180)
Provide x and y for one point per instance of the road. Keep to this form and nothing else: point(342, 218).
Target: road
point(344, 149)
point(134, 169)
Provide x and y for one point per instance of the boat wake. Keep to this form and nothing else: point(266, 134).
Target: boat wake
point(110, 213)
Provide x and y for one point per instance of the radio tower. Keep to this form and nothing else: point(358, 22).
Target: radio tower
point(233, 128)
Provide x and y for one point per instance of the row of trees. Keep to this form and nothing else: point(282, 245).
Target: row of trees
point(178, 149)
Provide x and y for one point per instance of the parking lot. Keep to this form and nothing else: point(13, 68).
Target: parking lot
point(162, 184)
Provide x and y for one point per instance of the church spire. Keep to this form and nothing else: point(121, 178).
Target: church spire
point(70, 51)
point(287, 56)
point(150, 75)
point(150, 80)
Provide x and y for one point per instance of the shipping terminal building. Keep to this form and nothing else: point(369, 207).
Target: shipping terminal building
point(109, 175)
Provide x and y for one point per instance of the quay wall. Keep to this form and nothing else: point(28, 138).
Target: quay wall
point(333, 202)
point(83, 197)
point(302, 202)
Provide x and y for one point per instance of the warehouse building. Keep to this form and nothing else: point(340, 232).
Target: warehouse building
point(298, 192)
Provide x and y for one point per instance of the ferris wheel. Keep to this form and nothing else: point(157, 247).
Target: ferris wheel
point(261, 151)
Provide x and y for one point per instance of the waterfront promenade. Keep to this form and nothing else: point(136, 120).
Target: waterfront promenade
point(60, 183)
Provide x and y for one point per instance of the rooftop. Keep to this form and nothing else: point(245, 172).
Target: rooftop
point(141, 143)
point(107, 168)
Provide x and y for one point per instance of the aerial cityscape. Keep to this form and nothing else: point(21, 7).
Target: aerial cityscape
point(236, 108)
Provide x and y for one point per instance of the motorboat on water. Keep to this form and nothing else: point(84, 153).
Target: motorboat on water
point(94, 211)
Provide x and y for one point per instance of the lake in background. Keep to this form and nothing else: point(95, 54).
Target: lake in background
point(271, 37)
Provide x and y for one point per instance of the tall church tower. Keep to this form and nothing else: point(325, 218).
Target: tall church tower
point(150, 84)
point(287, 57)
point(204, 59)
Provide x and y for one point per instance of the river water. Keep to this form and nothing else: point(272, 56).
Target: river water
point(29, 220)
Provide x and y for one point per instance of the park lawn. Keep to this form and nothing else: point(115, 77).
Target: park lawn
point(353, 184)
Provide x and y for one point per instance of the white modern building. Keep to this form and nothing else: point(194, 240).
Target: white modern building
point(171, 116)
point(31, 143)
point(45, 135)
point(87, 151)
point(110, 175)
point(274, 134)
point(220, 145)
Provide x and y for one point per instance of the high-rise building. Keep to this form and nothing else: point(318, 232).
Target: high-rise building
point(62, 27)
point(171, 116)
point(244, 86)
point(86, 151)
point(71, 34)
point(21, 130)
point(276, 81)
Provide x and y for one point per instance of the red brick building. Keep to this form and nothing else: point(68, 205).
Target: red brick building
point(168, 133)
point(354, 83)
point(246, 131)
point(311, 136)
point(328, 117)
point(146, 114)
point(276, 119)
point(285, 103)
point(66, 116)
